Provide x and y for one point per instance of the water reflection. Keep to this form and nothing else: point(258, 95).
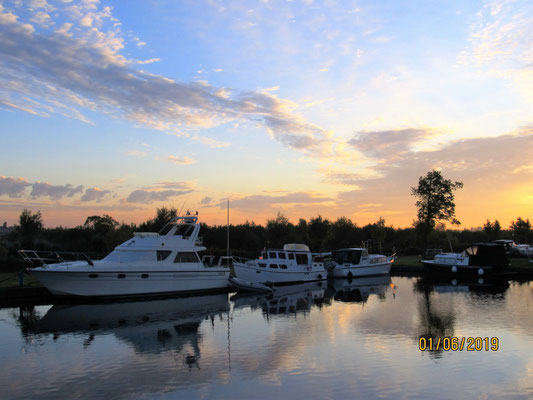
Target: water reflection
point(334, 339)
point(285, 300)
point(154, 326)
point(438, 318)
point(358, 290)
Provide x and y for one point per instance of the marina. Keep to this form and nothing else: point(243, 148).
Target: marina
point(325, 339)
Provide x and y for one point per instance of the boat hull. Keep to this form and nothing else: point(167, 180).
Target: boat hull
point(446, 268)
point(107, 284)
point(354, 271)
point(263, 275)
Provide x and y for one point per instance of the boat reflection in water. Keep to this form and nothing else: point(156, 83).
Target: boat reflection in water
point(466, 284)
point(154, 326)
point(359, 289)
point(291, 299)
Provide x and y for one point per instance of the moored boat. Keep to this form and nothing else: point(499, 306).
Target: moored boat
point(356, 262)
point(292, 264)
point(147, 264)
point(478, 258)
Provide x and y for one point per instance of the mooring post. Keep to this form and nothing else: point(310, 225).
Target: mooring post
point(21, 278)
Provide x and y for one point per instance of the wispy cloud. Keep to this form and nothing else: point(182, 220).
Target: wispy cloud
point(180, 160)
point(262, 202)
point(86, 71)
point(149, 196)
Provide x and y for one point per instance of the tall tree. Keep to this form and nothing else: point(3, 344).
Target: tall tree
point(435, 201)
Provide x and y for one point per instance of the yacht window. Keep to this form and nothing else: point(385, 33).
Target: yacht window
point(365, 253)
point(282, 256)
point(262, 265)
point(93, 276)
point(274, 266)
point(272, 254)
point(301, 259)
point(283, 266)
point(184, 230)
point(131, 256)
point(162, 254)
point(121, 276)
point(145, 276)
point(186, 257)
point(291, 256)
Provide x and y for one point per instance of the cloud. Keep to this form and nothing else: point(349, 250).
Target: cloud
point(389, 144)
point(149, 61)
point(55, 192)
point(180, 160)
point(12, 187)
point(85, 71)
point(136, 153)
point(95, 194)
point(149, 196)
point(500, 42)
point(206, 200)
point(257, 202)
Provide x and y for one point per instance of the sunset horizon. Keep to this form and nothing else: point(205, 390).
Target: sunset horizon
point(303, 108)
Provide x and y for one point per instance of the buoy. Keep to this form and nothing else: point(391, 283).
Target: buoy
point(454, 269)
point(480, 271)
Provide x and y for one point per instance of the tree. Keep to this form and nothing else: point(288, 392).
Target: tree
point(435, 201)
point(102, 225)
point(29, 226)
point(163, 215)
point(521, 230)
point(492, 230)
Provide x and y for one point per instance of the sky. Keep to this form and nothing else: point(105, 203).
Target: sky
point(304, 107)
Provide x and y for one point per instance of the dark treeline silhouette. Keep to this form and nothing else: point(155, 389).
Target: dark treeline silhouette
point(100, 234)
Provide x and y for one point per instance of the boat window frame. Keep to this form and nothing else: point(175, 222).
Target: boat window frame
point(179, 253)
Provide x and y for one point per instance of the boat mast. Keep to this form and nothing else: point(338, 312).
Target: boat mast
point(227, 235)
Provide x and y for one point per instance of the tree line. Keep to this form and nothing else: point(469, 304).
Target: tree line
point(434, 201)
point(100, 234)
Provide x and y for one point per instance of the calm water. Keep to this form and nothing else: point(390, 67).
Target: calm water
point(331, 340)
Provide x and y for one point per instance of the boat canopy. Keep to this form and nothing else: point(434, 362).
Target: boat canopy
point(487, 254)
point(296, 247)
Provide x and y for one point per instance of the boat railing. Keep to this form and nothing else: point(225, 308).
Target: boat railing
point(37, 258)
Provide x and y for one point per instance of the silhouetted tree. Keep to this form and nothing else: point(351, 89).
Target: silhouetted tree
point(493, 230)
point(521, 230)
point(163, 215)
point(435, 202)
point(29, 226)
point(318, 231)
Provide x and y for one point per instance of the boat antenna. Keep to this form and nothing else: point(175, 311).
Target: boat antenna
point(181, 209)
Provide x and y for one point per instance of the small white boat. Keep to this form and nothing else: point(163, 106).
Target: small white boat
point(147, 264)
point(292, 264)
point(249, 286)
point(477, 258)
point(355, 262)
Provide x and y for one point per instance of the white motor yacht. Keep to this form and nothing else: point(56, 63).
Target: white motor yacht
point(294, 263)
point(355, 262)
point(149, 263)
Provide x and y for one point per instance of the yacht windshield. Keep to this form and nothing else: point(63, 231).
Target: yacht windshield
point(131, 256)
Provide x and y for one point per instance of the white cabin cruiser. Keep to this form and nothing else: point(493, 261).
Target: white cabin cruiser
point(355, 262)
point(477, 258)
point(149, 263)
point(294, 263)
